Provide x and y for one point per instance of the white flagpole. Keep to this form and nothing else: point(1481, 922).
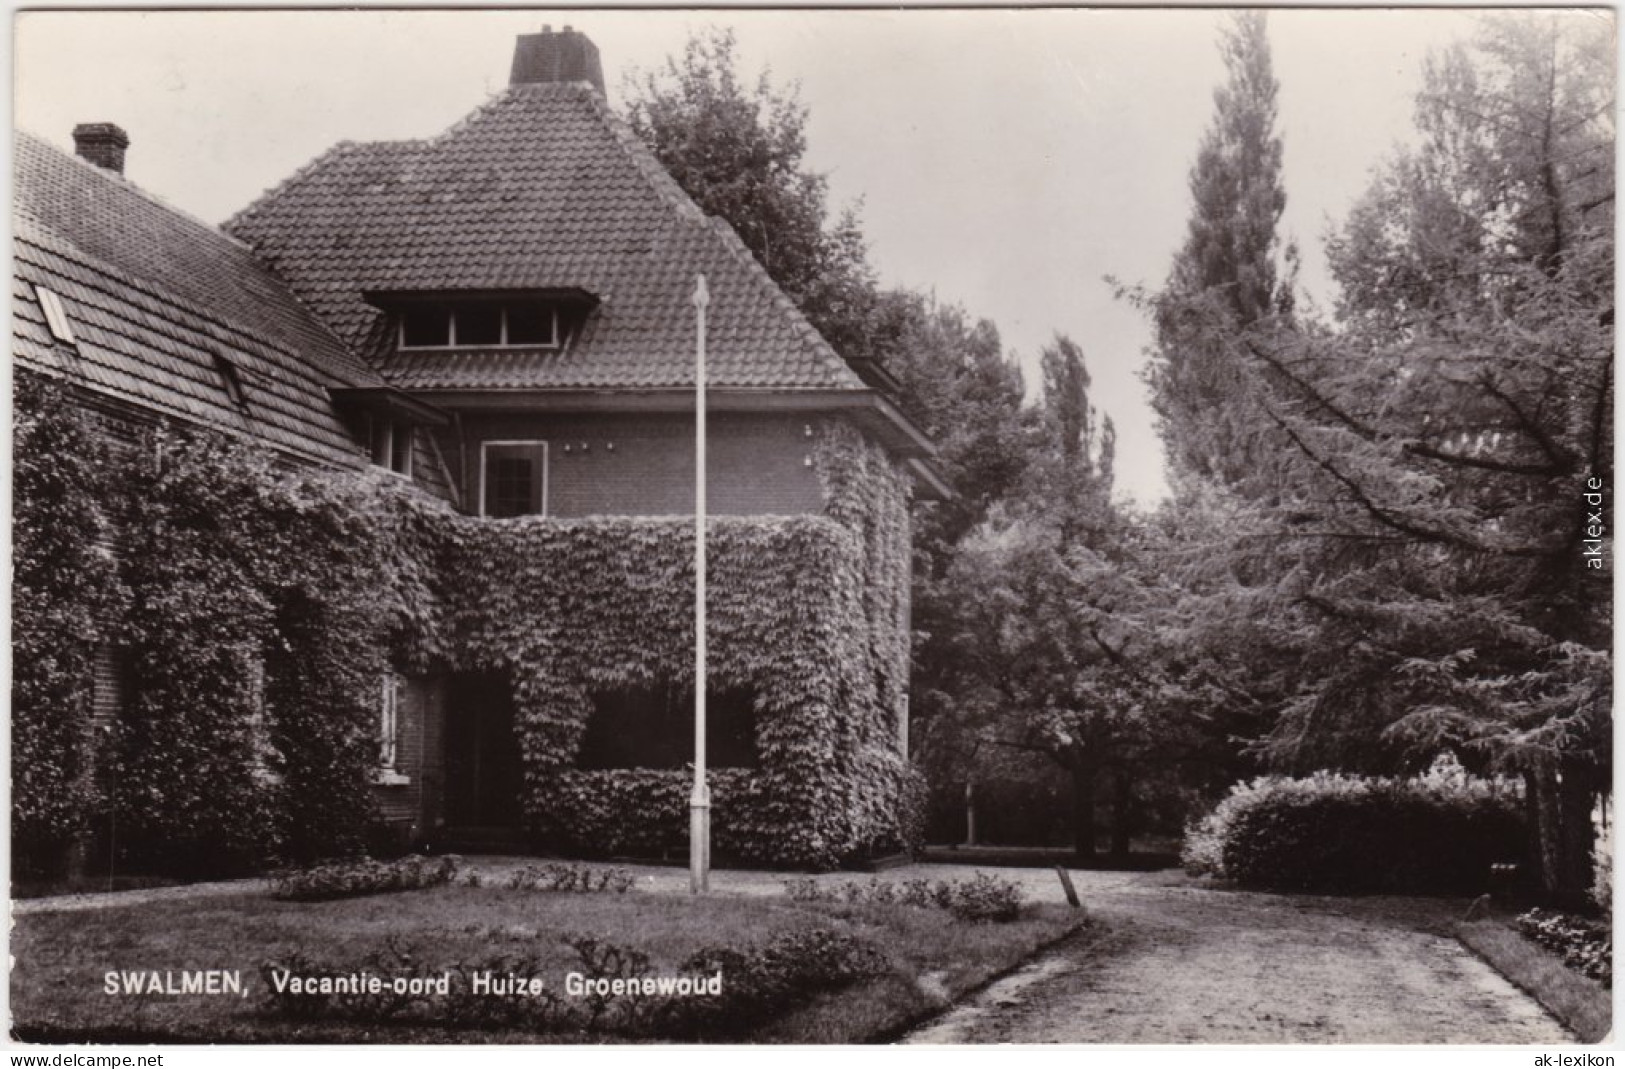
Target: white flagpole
point(699, 803)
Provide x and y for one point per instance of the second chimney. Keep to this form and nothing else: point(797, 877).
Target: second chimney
point(102, 143)
point(556, 57)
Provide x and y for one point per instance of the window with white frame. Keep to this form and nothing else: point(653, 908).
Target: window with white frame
point(513, 479)
point(391, 692)
point(479, 324)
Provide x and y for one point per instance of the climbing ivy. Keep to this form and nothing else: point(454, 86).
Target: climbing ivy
point(265, 605)
point(809, 613)
point(260, 617)
point(571, 608)
point(64, 588)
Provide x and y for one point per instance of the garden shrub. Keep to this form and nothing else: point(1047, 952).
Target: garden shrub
point(579, 879)
point(1437, 833)
point(353, 877)
point(982, 898)
point(1586, 946)
point(986, 898)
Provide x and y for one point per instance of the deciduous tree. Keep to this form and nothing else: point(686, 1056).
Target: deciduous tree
point(739, 150)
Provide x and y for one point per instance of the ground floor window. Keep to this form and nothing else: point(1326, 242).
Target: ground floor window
point(653, 727)
point(391, 721)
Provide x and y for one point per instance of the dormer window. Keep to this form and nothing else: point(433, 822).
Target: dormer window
point(480, 324)
point(392, 445)
point(385, 422)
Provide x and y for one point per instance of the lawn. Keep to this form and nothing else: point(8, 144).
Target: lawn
point(58, 985)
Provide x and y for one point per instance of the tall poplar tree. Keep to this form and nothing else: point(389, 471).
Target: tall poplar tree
point(1231, 275)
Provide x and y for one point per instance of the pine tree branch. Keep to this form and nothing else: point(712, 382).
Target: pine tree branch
point(1558, 466)
point(1562, 461)
point(1375, 511)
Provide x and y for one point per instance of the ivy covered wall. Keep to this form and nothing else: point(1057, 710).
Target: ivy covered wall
point(809, 613)
point(64, 594)
point(251, 610)
point(257, 609)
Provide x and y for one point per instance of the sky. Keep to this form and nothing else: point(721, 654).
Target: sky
point(1010, 161)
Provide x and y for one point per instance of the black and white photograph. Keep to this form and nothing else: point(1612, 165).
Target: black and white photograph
point(945, 527)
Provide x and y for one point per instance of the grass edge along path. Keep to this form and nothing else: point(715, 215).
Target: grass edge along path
point(1580, 1004)
point(886, 1009)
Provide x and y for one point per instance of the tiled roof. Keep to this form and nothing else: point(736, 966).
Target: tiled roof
point(541, 188)
point(154, 296)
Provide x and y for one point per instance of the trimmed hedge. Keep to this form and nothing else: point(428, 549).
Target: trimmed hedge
point(1436, 834)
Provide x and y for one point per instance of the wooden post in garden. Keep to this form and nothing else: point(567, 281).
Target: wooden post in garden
point(1066, 885)
point(699, 802)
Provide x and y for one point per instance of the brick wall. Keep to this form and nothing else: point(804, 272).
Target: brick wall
point(643, 465)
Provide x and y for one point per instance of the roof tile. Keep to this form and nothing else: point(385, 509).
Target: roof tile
point(153, 295)
point(541, 187)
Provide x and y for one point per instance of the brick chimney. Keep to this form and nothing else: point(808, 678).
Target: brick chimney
point(556, 57)
point(101, 143)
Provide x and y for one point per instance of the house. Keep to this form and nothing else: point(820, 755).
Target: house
point(502, 316)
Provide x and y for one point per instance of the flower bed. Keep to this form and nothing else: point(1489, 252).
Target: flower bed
point(349, 879)
point(982, 898)
point(1586, 946)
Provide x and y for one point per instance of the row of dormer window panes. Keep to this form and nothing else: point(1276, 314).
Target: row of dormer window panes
point(480, 324)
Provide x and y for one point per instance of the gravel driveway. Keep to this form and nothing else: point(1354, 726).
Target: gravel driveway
point(1185, 964)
